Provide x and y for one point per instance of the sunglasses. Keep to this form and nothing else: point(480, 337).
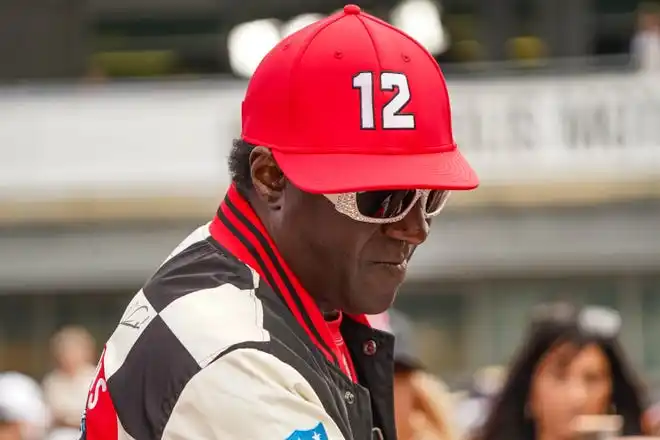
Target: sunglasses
point(388, 206)
point(599, 321)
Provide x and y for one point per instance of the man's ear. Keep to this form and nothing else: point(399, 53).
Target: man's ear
point(267, 177)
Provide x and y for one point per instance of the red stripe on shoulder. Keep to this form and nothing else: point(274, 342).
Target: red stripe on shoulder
point(100, 416)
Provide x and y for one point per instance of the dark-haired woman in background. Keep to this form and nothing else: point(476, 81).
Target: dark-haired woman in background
point(422, 402)
point(570, 365)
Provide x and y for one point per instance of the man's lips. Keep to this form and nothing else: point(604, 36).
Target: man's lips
point(397, 260)
point(395, 264)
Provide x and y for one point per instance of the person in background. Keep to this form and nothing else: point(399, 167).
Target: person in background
point(66, 387)
point(570, 365)
point(23, 412)
point(646, 42)
point(472, 411)
point(422, 403)
point(9, 429)
point(652, 419)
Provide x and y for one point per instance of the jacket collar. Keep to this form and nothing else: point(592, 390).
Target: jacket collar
point(238, 228)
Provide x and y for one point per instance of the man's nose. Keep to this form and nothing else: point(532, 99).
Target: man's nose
point(413, 228)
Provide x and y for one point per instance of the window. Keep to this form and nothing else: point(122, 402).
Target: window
point(439, 322)
point(15, 332)
point(513, 300)
point(157, 45)
point(28, 321)
point(651, 323)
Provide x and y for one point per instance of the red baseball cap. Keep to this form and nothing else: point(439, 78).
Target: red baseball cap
point(351, 103)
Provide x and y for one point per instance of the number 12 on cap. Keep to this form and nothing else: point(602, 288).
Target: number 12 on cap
point(392, 118)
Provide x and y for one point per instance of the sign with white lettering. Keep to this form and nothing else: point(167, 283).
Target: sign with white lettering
point(162, 139)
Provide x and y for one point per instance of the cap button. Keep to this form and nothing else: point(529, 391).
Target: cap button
point(351, 9)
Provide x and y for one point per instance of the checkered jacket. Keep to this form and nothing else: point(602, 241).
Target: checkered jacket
point(223, 343)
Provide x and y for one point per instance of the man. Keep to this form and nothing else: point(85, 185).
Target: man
point(254, 327)
point(65, 387)
point(645, 48)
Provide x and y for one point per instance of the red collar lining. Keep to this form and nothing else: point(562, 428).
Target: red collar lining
point(238, 229)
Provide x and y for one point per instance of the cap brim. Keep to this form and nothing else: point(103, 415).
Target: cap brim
point(337, 173)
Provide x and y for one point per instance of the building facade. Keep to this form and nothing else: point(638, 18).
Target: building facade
point(98, 185)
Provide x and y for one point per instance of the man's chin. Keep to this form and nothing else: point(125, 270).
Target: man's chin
point(372, 304)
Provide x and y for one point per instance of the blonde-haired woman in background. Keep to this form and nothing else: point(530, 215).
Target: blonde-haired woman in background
point(422, 402)
point(66, 387)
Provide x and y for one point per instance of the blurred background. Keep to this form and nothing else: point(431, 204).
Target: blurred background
point(116, 118)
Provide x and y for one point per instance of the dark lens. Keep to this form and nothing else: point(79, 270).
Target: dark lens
point(435, 200)
point(384, 204)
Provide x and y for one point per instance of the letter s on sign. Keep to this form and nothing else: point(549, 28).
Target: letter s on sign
point(100, 386)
